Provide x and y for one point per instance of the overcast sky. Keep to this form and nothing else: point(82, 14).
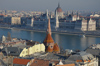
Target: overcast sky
point(42, 5)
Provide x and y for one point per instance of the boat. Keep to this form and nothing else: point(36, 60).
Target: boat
point(81, 35)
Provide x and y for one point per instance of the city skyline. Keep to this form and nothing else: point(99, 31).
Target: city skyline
point(38, 5)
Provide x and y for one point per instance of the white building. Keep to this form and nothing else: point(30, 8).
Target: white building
point(12, 20)
point(91, 25)
point(15, 21)
point(95, 15)
point(81, 25)
point(30, 22)
point(3, 39)
point(72, 22)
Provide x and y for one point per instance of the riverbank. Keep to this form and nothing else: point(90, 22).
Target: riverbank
point(86, 33)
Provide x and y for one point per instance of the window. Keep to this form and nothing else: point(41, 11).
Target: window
point(51, 46)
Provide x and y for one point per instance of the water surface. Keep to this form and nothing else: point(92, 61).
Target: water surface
point(64, 40)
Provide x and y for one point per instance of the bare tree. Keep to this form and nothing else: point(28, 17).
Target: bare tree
point(9, 37)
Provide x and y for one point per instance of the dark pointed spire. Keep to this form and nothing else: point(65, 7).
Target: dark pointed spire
point(72, 13)
point(58, 4)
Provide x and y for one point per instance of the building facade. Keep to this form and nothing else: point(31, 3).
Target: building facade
point(15, 21)
point(31, 50)
point(29, 22)
point(12, 20)
point(58, 22)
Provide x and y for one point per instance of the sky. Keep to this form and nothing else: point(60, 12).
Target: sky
point(51, 5)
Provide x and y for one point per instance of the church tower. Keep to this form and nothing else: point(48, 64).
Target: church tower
point(49, 42)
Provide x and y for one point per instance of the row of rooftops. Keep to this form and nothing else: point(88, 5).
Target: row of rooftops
point(80, 58)
point(95, 46)
point(94, 49)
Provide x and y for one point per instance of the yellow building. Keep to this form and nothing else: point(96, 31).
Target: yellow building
point(15, 21)
point(31, 50)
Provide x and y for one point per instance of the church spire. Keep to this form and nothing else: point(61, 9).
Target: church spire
point(48, 27)
point(77, 13)
point(72, 13)
point(58, 4)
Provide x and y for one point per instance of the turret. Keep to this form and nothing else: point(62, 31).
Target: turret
point(67, 13)
point(47, 13)
point(57, 21)
point(72, 13)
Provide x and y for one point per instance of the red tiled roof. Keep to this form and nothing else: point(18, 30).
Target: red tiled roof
point(49, 49)
point(56, 48)
point(48, 39)
point(20, 61)
point(39, 62)
point(79, 61)
point(66, 65)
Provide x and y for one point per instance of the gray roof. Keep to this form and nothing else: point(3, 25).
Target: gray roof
point(81, 56)
point(13, 51)
point(68, 62)
point(75, 57)
point(50, 56)
point(93, 51)
point(19, 46)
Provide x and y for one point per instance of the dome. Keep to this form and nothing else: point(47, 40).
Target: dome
point(56, 48)
point(58, 9)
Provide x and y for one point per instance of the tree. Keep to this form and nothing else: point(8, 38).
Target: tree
point(9, 37)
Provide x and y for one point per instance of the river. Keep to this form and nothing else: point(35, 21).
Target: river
point(64, 40)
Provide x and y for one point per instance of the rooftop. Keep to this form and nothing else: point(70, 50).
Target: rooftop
point(20, 61)
point(94, 49)
point(82, 56)
point(49, 56)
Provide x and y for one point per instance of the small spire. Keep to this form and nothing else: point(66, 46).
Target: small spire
point(77, 13)
point(56, 12)
point(49, 27)
point(67, 13)
point(47, 13)
point(72, 13)
point(58, 4)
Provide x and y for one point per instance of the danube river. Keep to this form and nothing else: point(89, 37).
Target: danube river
point(64, 40)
